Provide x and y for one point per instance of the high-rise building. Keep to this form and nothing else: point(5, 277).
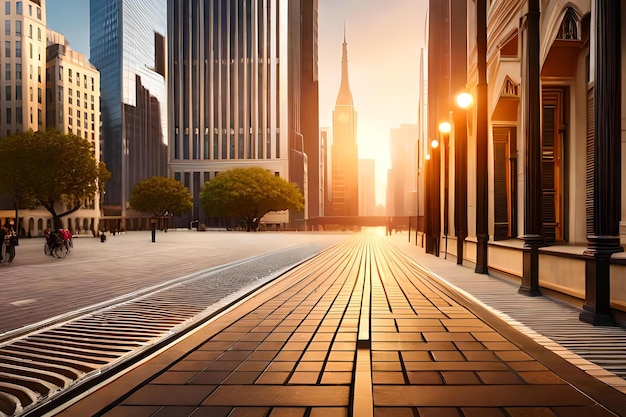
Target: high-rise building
point(235, 84)
point(23, 65)
point(367, 187)
point(127, 45)
point(309, 112)
point(73, 106)
point(345, 177)
point(402, 180)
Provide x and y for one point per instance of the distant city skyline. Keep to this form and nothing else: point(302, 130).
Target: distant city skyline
point(383, 43)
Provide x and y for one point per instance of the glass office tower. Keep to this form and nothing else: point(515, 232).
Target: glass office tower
point(127, 39)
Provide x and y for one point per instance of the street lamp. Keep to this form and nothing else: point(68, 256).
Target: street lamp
point(463, 100)
point(444, 129)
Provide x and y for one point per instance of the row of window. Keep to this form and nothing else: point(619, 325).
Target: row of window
point(8, 71)
point(70, 78)
point(18, 50)
point(18, 72)
point(18, 116)
point(18, 29)
point(8, 93)
point(18, 9)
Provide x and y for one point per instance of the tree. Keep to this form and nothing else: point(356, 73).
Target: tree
point(249, 193)
point(160, 195)
point(51, 169)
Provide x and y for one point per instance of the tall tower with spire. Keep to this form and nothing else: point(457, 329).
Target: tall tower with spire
point(345, 159)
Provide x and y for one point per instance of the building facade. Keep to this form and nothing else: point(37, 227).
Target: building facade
point(242, 105)
point(544, 184)
point(344, 153)
point(367, 187)
point(128, 47)
point(73, 107)
point(46, 85)
point(23, 63)
point(402, 180)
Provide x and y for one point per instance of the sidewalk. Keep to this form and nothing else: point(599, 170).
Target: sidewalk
point(361, 331)
point(554, 324)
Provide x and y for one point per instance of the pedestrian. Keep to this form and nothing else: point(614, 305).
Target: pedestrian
point(2, 247)
point(10, 240)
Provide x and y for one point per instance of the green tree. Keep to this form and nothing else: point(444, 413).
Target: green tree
point(157, 195)
point(249, 193)
point(51, 169)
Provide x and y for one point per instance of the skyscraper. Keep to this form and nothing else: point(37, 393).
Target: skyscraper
point(345, 178)
point(128, 48)
point(235, 75)
point(401, 184)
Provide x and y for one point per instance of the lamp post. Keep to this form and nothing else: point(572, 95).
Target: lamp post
point(444, 129)
point(482, 124)
point(463, 101)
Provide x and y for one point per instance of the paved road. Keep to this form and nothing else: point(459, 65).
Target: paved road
point(36, 287)
point(356, 331)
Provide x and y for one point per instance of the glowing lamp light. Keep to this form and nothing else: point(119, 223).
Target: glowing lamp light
point(445, 127)
point(464, 100)
point(434, 143)
point(427, 157)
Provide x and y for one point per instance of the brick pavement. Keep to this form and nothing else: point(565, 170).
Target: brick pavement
point(356, 331)
point(36, 287)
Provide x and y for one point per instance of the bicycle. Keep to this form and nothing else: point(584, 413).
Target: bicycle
point(57, 245)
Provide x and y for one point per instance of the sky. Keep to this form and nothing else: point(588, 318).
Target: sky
point(384, 41)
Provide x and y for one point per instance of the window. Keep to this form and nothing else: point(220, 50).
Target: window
point(18, 71)
point(18, 92)
point(8, 119)
point(38, 74)
point(7, 27)
point(39, 13)
point(78, 102)
point(38, 34)
point(7, 72)
point(60, 73)
point(77, 93)
point(18, 49)
point(18, 28)
point(78, 122)
point(39, 95)
point(7, 93)
point(18, 115)
point(18, 7)
point(7, 8)
point(7, 49)
point(30, 10)
point(69, 121)
point(30, 31)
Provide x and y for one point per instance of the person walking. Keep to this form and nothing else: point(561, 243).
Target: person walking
point(2, 247)
point(10, 239)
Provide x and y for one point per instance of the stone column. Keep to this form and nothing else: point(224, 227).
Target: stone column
point(605, 241)
point(533, 239)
